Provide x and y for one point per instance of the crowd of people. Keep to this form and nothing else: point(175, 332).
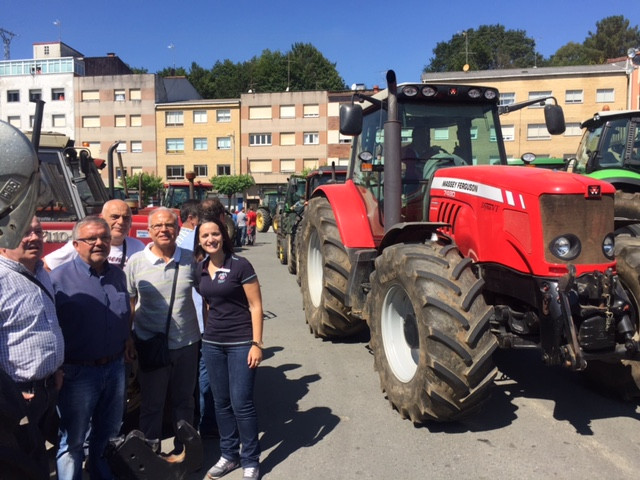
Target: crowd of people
point(184, 306)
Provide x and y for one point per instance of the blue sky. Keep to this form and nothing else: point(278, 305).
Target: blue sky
point(363, 38)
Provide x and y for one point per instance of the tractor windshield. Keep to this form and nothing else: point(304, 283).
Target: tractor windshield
point(612, 144)
point(433, 136)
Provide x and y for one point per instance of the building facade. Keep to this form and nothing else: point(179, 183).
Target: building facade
point(198, 136)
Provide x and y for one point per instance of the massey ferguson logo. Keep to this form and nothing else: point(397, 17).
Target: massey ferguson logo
point(594, 191)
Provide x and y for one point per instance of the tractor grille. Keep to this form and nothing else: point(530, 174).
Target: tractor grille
point(447, 213)
point(589, 219)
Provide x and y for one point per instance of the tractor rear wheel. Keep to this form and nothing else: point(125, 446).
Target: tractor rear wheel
point(627, 204)
point(275, 222)
point(430, 332)
point(281, 243)
point(324, 268)
point(622, 378)
point(291, 253)
point(263, 219)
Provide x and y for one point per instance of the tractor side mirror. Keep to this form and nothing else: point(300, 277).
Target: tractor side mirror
point(554, 119)
point(350, 119)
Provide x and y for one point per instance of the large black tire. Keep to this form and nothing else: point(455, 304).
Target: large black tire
point(627, 205)
point(281, 243)
point(291, 252)
point(324, 268)
point(275, 222)
point(430, 332)
point(263, 219)
point(622, 378)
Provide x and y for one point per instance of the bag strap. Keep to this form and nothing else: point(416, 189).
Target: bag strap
point(173, 297)
point(38, 283)
point(124, 253)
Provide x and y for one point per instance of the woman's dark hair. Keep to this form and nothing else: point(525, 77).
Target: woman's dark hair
point(227, 244)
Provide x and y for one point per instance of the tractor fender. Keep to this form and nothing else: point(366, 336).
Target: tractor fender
point(413, 232)
point(350, 213)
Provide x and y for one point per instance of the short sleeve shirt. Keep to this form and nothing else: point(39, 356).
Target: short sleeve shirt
point(229, 318)
point(68, 252)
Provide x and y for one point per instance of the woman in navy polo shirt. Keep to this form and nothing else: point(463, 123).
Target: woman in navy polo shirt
point(231, 347)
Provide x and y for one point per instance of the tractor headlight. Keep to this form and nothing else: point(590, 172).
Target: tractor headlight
point(565, 247)
point(608, 246)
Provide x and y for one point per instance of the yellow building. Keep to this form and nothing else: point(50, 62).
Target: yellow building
point(580, 90)
point(198, 136)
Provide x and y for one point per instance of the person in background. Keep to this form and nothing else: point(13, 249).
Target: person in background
point(189, 218)
point(93, 309)
point(251, 225)
point(150, 278)
point(241, 237)
point(31, 342)
point(232, 346)
point(118, 216)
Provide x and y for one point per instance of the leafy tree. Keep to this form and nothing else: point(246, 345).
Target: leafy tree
point(573, 54)
point(138, 69)
point(490, 47)
point(172, 72)
point(152, 185)
point(612, 38)
point(230, 184)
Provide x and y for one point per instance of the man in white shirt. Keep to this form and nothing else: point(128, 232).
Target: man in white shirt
point(118, 215)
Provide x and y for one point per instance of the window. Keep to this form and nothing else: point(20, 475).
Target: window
point(58, 121)
point(120, 172)
point(90, 95)
point(310, 111)
point(492, 134)
point(507, 98)
point(201, 170)
point(174, 119)
point(508, 133)
point(119, 95)
point(136, 146)
point(223, 116)
point(258, 139)
point(573, 130)
point(287, 139)
point(91, 122)
point(200, 144)
point(344, 139)
point(287, 165)
point(287, 111)
point(175, 145)
point(175, 172)
point(32, 120)
point(120, 121)
point(15, 121)
point(537, 131)
point(309, 163)
point(473, 133)
point(540, 94)
point(199, 116)
point(440, 134)
point(46, 49)
point(13, 96)
point(57, 94)
point(259, 113)
point(35, 94)
point(135, 120)
point(122, 147)
point(605, 95)
point(223, 170)
point(135, 94)
point(311, 138)
point(223, 143)
point(573, 96)
point(260, 166)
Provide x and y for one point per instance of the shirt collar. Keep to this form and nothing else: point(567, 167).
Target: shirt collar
point(88, 269)
point(155, 260)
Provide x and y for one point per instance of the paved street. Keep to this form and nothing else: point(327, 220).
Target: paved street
point(322, 414)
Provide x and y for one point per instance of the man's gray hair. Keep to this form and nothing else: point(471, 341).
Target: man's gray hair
point(163, 209)
point(90, 220)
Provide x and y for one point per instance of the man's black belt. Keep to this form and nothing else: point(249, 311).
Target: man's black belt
point(95, 363)
point(33, 385)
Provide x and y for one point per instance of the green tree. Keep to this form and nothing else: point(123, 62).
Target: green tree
point(573, 54)
point(231, 184)
point(612, 38)
point(138, 69)
point(152, 185)
point(490, 47)
point(172, 72)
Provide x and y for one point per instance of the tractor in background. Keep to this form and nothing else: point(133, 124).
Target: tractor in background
point(267, 210)
point(446, 253)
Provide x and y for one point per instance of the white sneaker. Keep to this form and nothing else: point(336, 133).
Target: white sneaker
point(221, 468)
point(250, 473)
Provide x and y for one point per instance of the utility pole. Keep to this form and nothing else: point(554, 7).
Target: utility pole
point(6, 40)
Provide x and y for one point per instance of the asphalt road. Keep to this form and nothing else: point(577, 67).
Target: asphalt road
point(322, 414)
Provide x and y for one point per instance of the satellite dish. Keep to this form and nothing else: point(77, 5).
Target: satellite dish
point(631, 53)
point(465, 68)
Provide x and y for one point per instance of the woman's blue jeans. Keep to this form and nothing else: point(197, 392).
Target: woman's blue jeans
point(232, 383)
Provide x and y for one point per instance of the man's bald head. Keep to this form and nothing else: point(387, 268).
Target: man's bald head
point(118, 215)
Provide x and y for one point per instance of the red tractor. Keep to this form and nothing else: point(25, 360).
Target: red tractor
point(447, 257)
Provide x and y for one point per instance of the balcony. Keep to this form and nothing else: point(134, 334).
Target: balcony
point(41, 67)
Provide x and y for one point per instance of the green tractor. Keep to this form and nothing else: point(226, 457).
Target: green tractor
point(267, 210)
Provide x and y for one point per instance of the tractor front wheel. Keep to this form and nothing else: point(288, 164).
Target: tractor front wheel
point(324, 268)
point(291, 253)
point(430, 332)
point(263, 220)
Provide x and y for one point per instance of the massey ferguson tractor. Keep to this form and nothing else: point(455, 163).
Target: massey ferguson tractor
point(447, 253)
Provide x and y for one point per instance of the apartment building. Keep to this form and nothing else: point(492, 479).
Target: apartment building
point(282, 133)
point(582, 91)
point(198, 136)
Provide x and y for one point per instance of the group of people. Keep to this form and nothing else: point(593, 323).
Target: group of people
point(66, 336)
point(246, 223)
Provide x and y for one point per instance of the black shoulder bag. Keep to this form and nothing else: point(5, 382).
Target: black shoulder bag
point(154, 352)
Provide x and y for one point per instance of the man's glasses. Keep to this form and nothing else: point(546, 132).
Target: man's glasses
point(159, 226)
point(38, 232)
point(93, 240)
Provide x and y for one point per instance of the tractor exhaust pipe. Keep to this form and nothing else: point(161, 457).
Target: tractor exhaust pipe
point(392, 179)
point(112, 190)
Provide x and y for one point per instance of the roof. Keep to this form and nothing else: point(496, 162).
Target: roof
point(575, 70)
point(601, 117)
point(109, 65)
point(179, 89)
